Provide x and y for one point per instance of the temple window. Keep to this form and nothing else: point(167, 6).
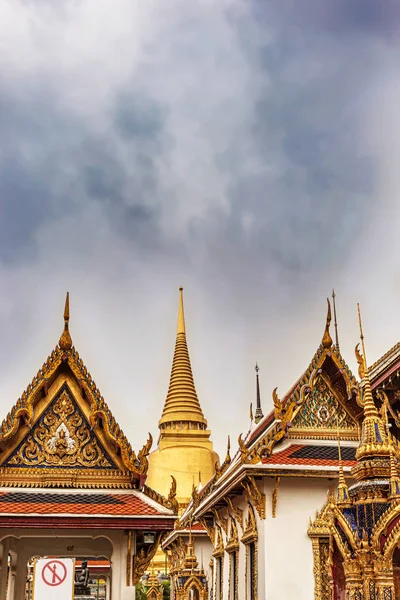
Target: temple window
point(194, 594)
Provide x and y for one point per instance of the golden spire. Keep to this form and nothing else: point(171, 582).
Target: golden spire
point(335, 321)
point(370, 409)
point(259, 413)
point(181, 314)
point(65, 341)
point(182, 404)
point(343, 491)
point(374, 439)
point(326, 339)
point(190, 559)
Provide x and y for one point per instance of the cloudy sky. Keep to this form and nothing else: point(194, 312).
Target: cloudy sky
point(245, 149)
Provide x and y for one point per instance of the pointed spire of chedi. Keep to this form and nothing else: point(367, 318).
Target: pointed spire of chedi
point(65, 341)
point(184, 446)
point(182, 403)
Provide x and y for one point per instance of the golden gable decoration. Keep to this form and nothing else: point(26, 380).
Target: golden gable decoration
point(61, 432)
point(322, 411)
point(61, 438)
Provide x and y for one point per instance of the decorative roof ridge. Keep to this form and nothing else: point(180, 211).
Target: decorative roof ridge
point(23, 406)
point(303, 380)
point(153, 498)
point(171, 502)
point(394, 352)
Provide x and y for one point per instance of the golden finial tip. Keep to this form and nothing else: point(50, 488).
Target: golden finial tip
point(65, 341)
point(66, 308)
point(181, 314)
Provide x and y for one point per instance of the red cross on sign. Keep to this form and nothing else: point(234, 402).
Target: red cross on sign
point(54, 572)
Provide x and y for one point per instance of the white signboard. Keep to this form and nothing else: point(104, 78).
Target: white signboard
point(53, 578)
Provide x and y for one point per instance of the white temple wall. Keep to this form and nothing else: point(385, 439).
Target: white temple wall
point(287, 563)
point(203, 549)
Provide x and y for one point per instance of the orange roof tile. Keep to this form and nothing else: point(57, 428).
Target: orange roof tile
point(94, 563)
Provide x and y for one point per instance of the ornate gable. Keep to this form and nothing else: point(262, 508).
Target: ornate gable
point(61, 438)
point(322, 412)
point(309, 408)
point(62, 433)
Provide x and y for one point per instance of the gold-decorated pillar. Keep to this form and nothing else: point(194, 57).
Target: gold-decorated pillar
point(354, 583)
point(384, 580)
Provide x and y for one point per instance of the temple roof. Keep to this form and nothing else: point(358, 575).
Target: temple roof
point(88, 508)
point(62, 433)
point(130, 503)
point(384, 362)
point(300, 433)
point(182, 403)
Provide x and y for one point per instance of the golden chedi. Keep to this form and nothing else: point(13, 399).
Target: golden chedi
point(184, 450)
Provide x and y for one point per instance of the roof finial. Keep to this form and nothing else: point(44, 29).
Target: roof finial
point(65, 341)
point(259, 413)
point(228, 451)
point(181, 314)
point(190, 559)
point(334, 316)
point(326, 339)
point(374, 438)
point(369, 404)
point(251, 411)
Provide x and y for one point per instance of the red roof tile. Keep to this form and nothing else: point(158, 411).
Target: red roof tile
point(94, 563)
point(308, 455)
point(50, 503)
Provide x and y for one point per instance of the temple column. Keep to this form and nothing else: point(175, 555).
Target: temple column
point(119, 589)
point(354, 584)
point(108, 587)
point(4, 569)
point(384, 584)
point(11, 585)
point(21, 575)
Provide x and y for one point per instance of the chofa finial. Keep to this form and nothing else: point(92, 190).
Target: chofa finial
point(335, 321)
point(326, 339)
point(65, 341)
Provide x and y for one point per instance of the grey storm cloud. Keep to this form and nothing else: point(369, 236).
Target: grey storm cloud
point(237, 148)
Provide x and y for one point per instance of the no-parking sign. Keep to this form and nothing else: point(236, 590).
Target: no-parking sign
point(54, 577)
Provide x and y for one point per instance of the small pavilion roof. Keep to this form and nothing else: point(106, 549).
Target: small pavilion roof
point(80, 505)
